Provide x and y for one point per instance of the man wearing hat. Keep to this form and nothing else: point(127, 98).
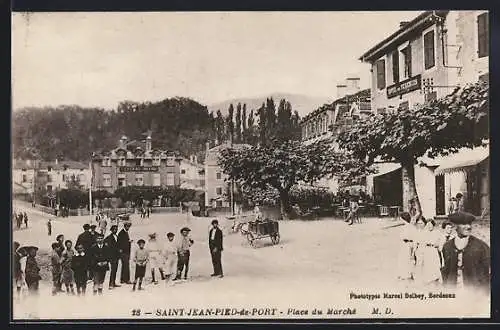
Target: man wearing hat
point(99, 255)
point(466, 257)
point(114, 254)
point(93, 233)
point(85, 238)
point(124, 245)
point(215, 245)
point(32, 270)
point(183, 253)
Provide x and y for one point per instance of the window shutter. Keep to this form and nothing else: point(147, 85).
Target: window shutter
point(408, 61)
point(429, 56)
point(381, 74)
point(395, 66)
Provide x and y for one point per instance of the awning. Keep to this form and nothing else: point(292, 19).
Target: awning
point(462, 161)
point(385, 168)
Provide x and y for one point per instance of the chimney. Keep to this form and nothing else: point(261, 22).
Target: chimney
point(352, 85)
point(148, 142)
point(403, 24)
point(341, 90)
point(123, 142)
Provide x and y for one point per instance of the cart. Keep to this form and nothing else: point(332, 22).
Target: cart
point(262, 229)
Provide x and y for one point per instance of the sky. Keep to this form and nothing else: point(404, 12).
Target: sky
point(100, 59)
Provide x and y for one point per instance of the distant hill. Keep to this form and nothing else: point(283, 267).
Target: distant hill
point(302, 103)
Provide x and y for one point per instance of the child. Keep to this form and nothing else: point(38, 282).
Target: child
point(141, 259)
point(183, 253)
point(32, 271)
point(155, 257)
point(170, 255)
point(80, 266)
point(49, 227)
point(56, 262)
point(67, 276)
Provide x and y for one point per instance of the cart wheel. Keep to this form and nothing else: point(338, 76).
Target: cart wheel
point(250, 238)
point(275, 238)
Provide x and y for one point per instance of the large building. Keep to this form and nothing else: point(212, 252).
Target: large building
point(23, 176)
point(425, 59)
point(216, 187)
point(192, 174)
point(135, 163)
point(61, 174)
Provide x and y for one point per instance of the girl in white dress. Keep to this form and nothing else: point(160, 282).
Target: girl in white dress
point(406, 257)
point(155, 257)
point(428, 265)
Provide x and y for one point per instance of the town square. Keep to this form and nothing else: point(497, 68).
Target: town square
point(190, 192)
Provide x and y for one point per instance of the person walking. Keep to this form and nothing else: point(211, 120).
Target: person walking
point(99, 255)
point(49, 227)
point(114, 255)
point(183, 253)
point(124, 246)
point(80, 265)
point(56, 268)
point(215, 246)
point(25, 217)
point(32, 271)
point(466, 257)
point(141, 259)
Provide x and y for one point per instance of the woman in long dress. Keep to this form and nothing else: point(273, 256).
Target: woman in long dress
point(406, 259)
point(428, 264)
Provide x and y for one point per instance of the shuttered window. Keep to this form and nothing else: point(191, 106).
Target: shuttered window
point(395, 66)
point(483, 35)
point(380, 67)
point(429, 51)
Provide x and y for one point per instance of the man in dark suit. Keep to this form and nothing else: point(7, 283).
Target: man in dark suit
point(124, 249)
point(99, 262)
point(85, 238)
point(114, 254)
point(466, 257)
point(215, 245)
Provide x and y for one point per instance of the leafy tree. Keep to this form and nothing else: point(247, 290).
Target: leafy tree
point(439, 127)
point(230, 123)
point(250, 136)
point(244, 132)
point(263, 136)
point(281, 166)
point(220, 131)
point(237, 128)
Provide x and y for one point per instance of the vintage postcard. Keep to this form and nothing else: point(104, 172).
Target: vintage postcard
point(250, 165)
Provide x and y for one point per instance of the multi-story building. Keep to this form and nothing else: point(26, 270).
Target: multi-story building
point(59, 174)
point(216, 187)
point(192, 173)
point(328, 120)
point(23, 176)
point(135, 163)
point(425, 59)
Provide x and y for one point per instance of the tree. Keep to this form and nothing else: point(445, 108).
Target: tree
point(261, 112)
point(439, 127)
point(230, 123)
point(244, 124)
point(219, 124)
point(237, 130)
point(250, 136)
point(270, 120)
point(281, 166)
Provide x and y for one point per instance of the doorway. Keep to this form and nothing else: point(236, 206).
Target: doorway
point(440, 195)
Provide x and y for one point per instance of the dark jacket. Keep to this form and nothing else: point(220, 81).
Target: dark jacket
point(114, 252)
point(97, 255)
point(16, 267)
point(85, 239)
point(32, 271)
point(475, 260)
point(217, 241)
point(124, 241)
point(80, 264)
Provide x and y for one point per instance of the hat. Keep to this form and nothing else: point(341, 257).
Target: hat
point(25, 249)
point(185, 229)
point(100, 235)
point(461, 218)
point(215, 222)
point(93, 226)
point(170, 234)
point(113, 227)
point(85, 226)
point(141, 241)
point(152, 235)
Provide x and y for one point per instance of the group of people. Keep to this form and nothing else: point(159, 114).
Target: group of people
point(93, 255)
point(452, 257)
point(20, 218)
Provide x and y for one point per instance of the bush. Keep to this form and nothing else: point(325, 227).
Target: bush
point(171, 196)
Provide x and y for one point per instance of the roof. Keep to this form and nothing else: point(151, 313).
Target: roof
point(462, 161)
point(385, 168)
point(362, 96)
point(19, 164)
point(421, 22)
point(61, 164)
point(189, 162)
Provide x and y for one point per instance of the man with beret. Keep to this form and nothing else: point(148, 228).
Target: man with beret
point(183, 253)
point(114, 254)
point(215, 245)
point(124, 245)
point(466, 257)
point(99, 255)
